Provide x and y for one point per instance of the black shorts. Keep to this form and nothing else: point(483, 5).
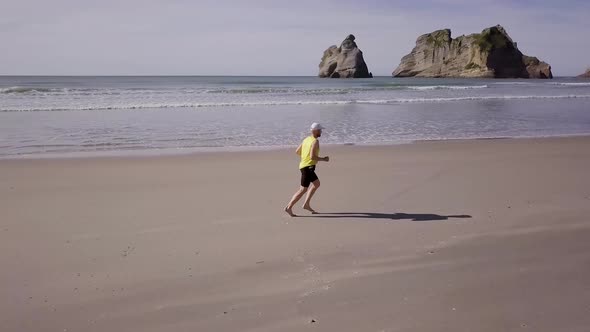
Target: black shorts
point(308, 175)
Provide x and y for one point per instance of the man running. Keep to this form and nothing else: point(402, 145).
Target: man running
point(309, 151)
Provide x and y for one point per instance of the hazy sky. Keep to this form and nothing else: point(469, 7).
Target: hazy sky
point(264, 37)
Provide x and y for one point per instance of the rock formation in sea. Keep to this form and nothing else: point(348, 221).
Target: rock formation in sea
point(491, 53)
point(586, 74)
point(345, 61)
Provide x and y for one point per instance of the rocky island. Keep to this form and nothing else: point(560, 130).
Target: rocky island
point(345, 61)
point(491, 54)
point(586, 74)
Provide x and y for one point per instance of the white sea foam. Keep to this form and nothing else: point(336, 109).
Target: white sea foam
point(179, 105)
point(470, 98)
point(229, 91)
point(449, 87)
point(286, 103)
point(22, 89)
point(513, 83)
point(572, 84)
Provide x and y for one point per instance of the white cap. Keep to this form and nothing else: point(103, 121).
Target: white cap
point(316, 126)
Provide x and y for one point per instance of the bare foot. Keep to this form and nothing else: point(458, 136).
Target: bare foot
point(310, 209)
point(290, 212)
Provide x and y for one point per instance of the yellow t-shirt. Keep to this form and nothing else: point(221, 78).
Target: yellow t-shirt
point(306, 146)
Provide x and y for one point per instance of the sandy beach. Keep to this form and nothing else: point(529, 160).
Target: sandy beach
point(481, 235)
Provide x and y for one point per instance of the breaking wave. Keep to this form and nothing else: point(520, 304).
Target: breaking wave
point(285, 103)
point(237, 91)
point(283, 91)
point(573, 84)
point(21, 89)
point(471, 98)
point(450, 87)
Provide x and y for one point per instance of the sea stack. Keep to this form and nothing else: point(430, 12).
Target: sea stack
point(345, 61)
point(586, 74)
point(489, 54)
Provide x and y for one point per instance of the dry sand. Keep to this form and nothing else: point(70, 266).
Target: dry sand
point(488, 235)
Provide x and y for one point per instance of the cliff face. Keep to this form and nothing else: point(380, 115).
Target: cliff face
point(491, 53)
point(586, 74)
point(345, 61)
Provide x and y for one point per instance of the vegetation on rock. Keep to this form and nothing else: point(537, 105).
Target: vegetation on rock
point(490, 53)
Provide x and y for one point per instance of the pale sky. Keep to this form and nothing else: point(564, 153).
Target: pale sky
point(264, 37)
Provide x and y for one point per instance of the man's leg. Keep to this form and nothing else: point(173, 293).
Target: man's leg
point(296, 197)
point(314, 186)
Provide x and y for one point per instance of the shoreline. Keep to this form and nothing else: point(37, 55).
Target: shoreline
point(171, 152)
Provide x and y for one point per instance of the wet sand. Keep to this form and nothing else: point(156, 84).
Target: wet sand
point(483, 235)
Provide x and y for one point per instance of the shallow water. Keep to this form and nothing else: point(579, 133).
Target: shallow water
point(48, 115)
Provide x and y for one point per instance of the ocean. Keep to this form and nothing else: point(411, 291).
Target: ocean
point(70, 116)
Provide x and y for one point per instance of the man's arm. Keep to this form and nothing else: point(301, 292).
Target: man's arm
point(314, 153)
point(298, 151)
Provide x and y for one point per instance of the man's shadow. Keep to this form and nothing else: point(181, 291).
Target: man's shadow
point(390, 216)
